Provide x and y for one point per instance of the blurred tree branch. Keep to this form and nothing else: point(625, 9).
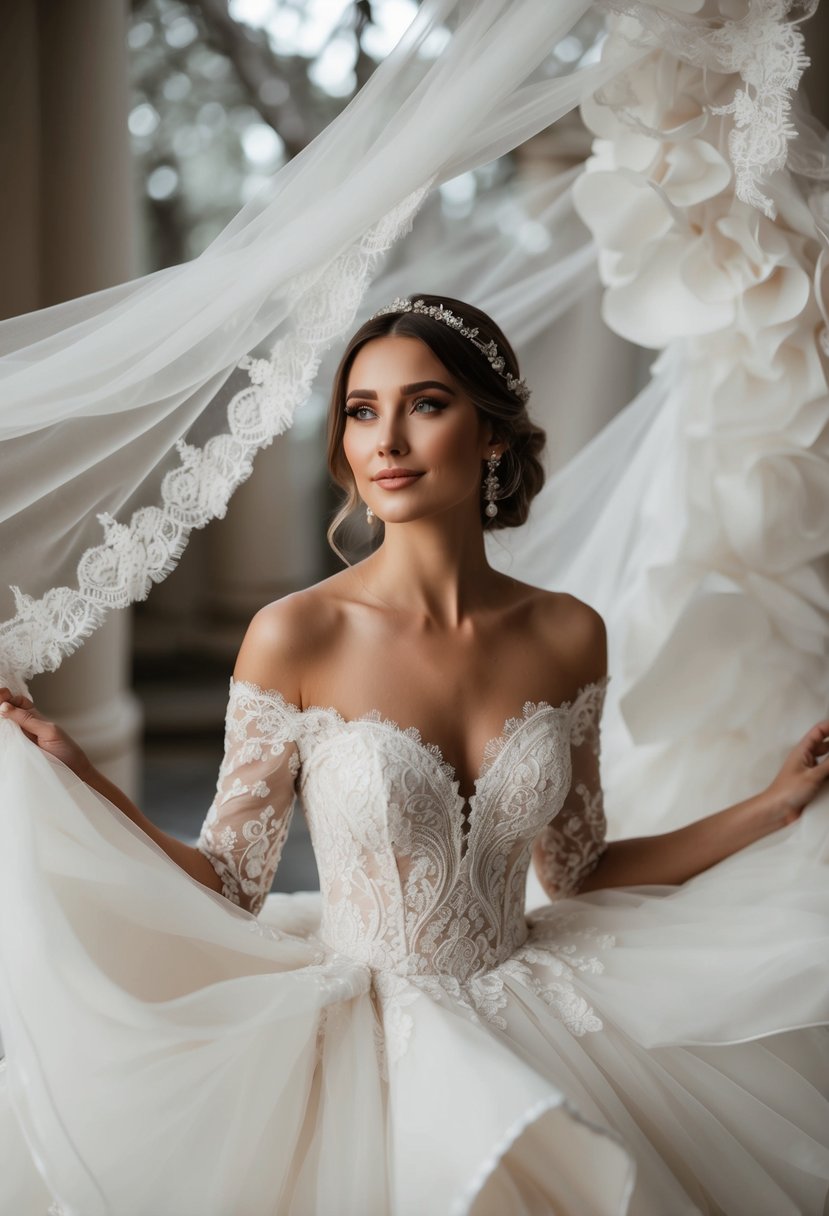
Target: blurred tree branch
point(201, 78)
point(256, 65)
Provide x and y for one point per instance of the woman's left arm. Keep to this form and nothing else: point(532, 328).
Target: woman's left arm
point(673, 857)
point(572, 853)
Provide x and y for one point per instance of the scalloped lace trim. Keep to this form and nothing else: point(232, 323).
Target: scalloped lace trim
point(584, 707)
point(144, 551)
point(408, 732)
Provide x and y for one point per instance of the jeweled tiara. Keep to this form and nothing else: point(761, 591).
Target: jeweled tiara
point(488, 349)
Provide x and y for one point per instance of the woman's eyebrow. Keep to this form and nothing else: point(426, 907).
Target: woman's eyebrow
point(406, 389)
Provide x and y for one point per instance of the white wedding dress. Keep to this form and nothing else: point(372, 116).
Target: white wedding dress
point(406, 1041)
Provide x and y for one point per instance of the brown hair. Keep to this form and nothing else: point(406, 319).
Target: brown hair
point(520, 472)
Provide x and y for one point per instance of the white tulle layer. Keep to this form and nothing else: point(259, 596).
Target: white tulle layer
point(169, 1054)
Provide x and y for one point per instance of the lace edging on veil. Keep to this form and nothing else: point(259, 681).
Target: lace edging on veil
point(133, 556)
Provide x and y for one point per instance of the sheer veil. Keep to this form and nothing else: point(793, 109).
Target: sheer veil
point(694, 519)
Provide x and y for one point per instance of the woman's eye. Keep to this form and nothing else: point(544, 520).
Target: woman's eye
point(422, 405)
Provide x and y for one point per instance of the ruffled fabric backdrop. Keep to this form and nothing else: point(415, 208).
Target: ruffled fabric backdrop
point(709, 564)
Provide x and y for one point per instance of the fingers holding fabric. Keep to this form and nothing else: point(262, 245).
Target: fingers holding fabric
point(804, 772)
point(43, 732)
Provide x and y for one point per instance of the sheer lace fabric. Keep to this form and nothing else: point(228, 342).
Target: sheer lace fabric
point(571, 847)
point(410, 884)
point(245, 829)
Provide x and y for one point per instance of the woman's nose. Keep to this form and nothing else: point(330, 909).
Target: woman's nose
point(389, 449)
point(392, 440)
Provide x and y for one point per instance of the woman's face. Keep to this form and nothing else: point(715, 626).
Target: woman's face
point(407, 413)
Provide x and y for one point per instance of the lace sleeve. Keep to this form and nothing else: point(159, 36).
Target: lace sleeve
point(570, 847)
point(246, 826)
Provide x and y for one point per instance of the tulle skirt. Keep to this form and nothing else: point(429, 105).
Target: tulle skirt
point(659, 1051)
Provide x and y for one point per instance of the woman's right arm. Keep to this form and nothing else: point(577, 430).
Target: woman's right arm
point(53, 739)
point(273, 641)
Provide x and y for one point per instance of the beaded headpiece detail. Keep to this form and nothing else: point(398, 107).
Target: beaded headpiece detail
point(488, 349)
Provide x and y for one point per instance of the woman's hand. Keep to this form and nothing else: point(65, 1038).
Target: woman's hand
point(803, 774)
point(57, 743)
point(47, 735)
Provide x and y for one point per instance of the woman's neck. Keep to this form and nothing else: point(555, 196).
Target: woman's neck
point(430, 569)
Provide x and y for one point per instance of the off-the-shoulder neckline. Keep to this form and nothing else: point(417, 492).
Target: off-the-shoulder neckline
point(492, 750)
point(371, 715)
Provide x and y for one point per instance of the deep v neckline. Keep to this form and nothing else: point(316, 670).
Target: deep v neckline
point(492, 752)
point(494, 748)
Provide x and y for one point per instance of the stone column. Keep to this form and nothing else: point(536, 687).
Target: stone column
point(66, 231)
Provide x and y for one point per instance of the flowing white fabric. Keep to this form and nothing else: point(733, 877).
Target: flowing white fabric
point(623, 1051)
point(144, 405)
point(103, 392)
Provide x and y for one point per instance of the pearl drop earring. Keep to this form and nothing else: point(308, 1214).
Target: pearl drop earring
point(492, 485)
point(369, 515)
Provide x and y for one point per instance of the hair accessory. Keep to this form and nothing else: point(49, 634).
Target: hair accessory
point(369, 515)
point(492, 485)
point(488, 349)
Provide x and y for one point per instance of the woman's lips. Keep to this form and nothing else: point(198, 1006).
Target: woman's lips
point(397, 483)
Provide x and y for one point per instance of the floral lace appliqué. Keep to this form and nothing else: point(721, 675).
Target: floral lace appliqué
point(547, 965)
point(245, 829)
point(393, 1025)
point(571, 846)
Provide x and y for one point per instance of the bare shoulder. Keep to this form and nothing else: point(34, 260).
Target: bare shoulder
point(287, 636)
point(573, 634)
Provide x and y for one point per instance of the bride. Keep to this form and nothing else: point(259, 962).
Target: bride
point(409, 1041)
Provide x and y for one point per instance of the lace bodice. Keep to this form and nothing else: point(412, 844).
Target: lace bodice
point(415, 879)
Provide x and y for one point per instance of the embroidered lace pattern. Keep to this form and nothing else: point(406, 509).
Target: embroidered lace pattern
point(407, 888)
point(134, 555)
point(245, 829)
point(768, 54)
point(424, 887)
